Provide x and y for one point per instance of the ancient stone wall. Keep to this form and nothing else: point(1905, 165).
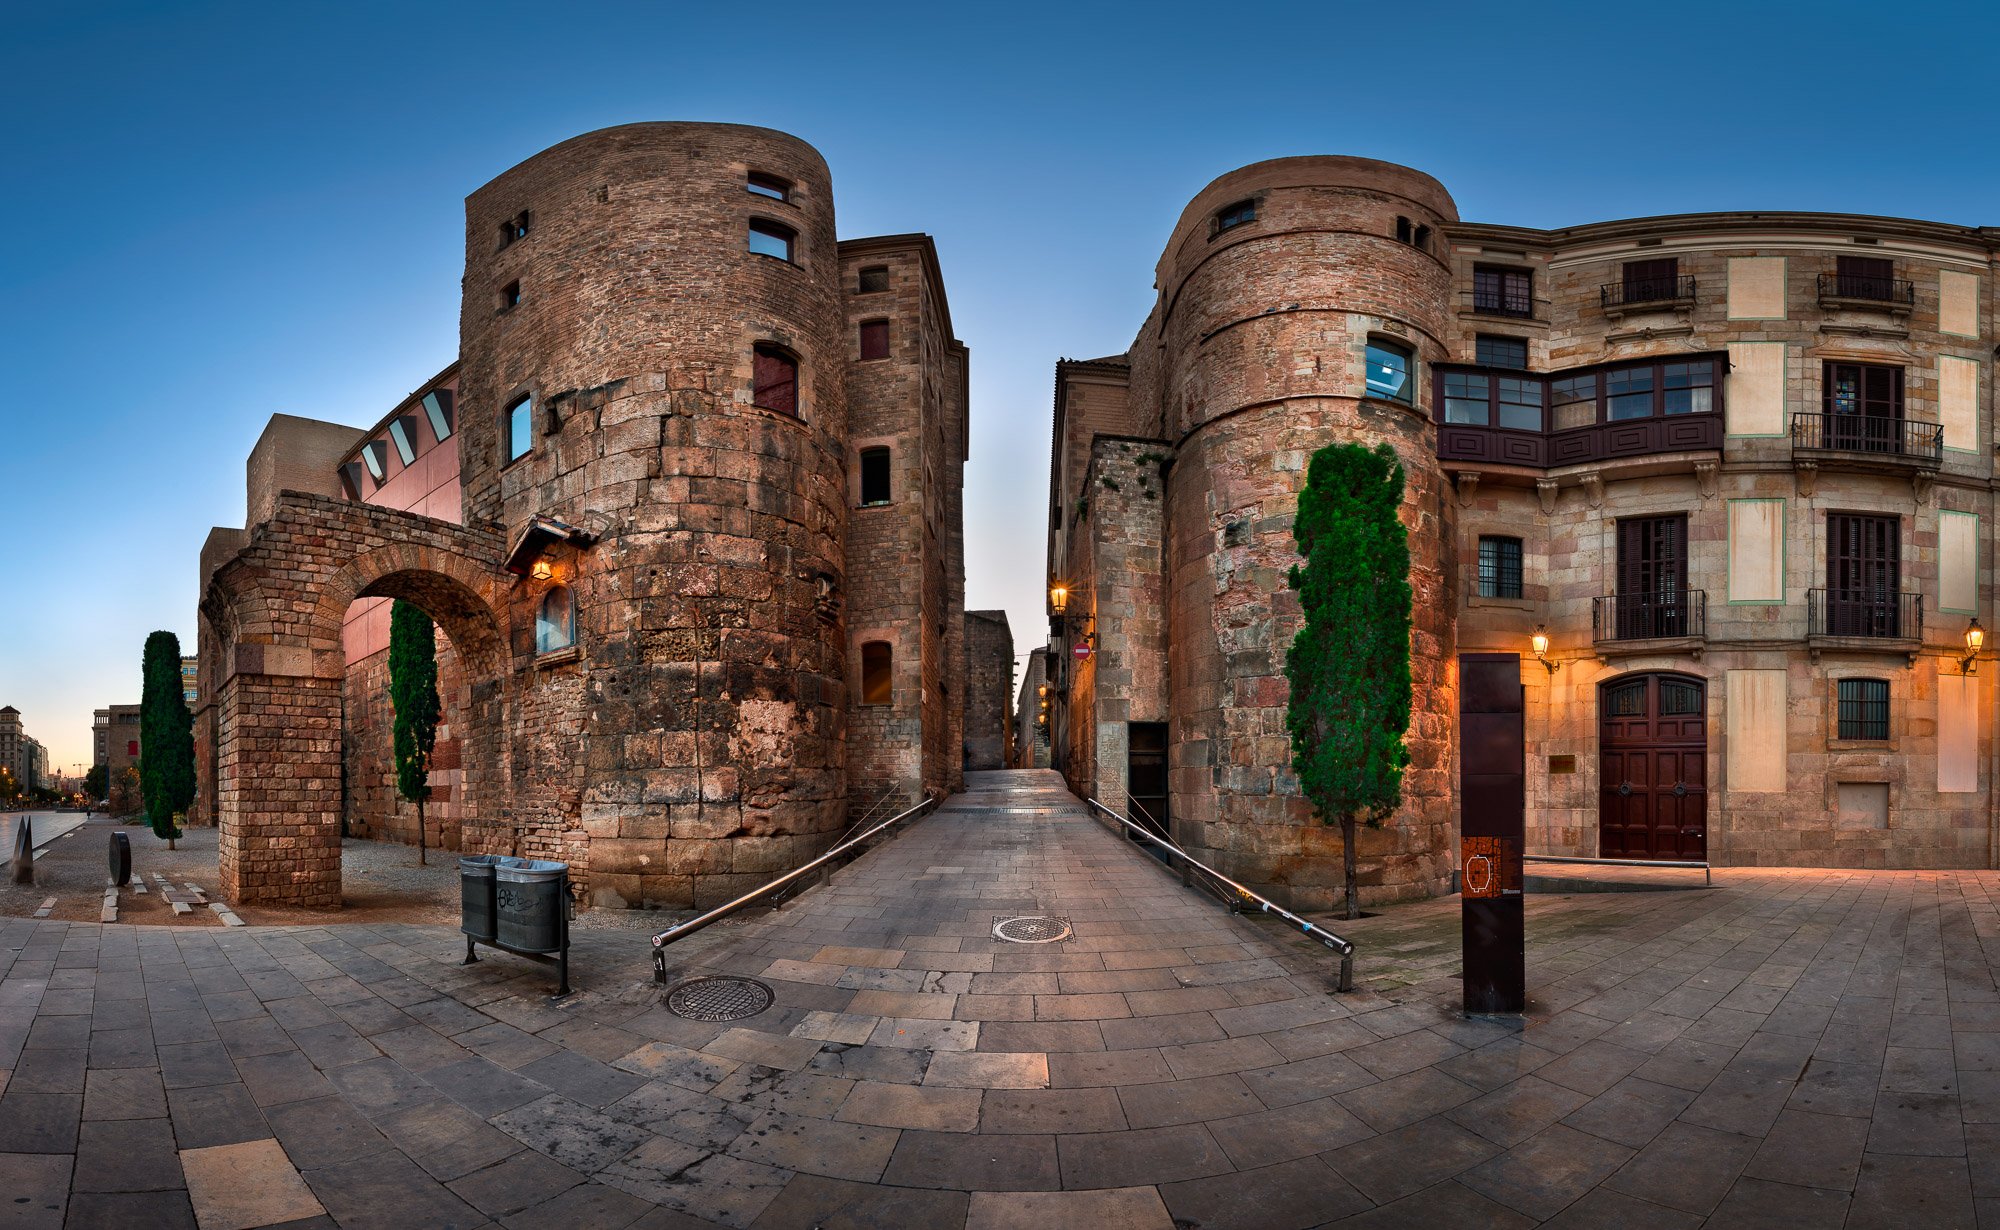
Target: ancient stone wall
point(989, 691)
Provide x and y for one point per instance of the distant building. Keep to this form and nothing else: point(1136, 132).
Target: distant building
point(23, 757)
point(115, 739)
point(190, 680)
point(1031, 728)
point(989, 682)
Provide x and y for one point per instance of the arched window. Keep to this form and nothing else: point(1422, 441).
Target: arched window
point(770, 186)
point(555, 620)
point(874, 477)
point(878, 685)
point(775, 380)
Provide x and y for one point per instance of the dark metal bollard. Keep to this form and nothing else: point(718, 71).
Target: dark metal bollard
point(121, 859)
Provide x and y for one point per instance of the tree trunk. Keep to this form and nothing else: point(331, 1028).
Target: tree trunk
point(420, 834)
point(1347, 832)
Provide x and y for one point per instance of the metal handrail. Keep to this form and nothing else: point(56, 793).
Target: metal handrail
point(1340, 944)
point(1707, 875)
point(681, 931)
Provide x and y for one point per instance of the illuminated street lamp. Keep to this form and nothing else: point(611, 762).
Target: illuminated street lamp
point(1975, 636)
point(1540, 642)
point(1058, 597)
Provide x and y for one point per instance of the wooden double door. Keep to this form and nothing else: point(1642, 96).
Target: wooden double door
point(1652, 747)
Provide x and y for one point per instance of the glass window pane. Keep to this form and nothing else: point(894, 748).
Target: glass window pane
point(770, 186)
point(403, 432)
point(555, 621)
point(1499, 567)
point(769, 239)
point(1628, 393)
point(1388, 371)
point(437, 408)
point(1520, 403)
point(1493, 351)
point(520, 419)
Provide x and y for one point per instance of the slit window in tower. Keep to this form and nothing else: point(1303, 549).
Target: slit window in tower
point(437, 408)
point(770, 186)
point(874, 477)
point(1233, 216)
point(520, 428)
point(510, 296)
point(555, 620)
point(874, 278)
point(776, 380)
point(874, 339)
point(1402, 229)
point(514, 228)
point(1388, 370)
point(878, 685)
point(771, 239)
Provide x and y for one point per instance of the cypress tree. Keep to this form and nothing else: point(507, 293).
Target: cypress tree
point(1349, 666)
point(166, 738)
point(413, 692)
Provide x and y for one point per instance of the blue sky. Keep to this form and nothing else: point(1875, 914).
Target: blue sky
point(217, 212)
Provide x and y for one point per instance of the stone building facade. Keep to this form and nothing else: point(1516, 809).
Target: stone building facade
point(685, 509)
point(21, 754)
point(1736, 468)
point(989, 691)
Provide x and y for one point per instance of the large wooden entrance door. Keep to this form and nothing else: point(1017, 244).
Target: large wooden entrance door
point(1652, 750)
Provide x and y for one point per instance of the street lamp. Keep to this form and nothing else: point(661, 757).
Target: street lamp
point(1975, 636)
point(1058, 597)
point(1540, 642)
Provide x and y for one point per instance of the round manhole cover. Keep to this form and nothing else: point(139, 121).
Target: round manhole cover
point(718, 999)
point(1032, 929)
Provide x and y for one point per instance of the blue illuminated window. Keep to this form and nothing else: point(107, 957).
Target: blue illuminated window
point(1389, 371)
point(520, 428)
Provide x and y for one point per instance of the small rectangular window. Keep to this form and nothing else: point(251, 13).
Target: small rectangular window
point(874, 477)
point(775, 380)
point(878, 683)
point(1388, 370)
point(874, 278)
point(1492, 351)
point(438, 408)
point(1233, 216)
point(1499, 567)
point(1467, 398)
point(1503, 291)
point(1864, 709)
point(403, 432)
point(1628, 393)
point(1519, 401)
point(770, 186)
point(520, 428)
point(771, 239)
point(1690, 387)
point(874, 339)
point(375, 455)
point(514, 229)
point(510, 296)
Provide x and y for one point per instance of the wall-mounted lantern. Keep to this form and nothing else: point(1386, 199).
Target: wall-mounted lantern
point(543, 570)
point(1540, 642)
point(1058, 597)
point(1975, 637)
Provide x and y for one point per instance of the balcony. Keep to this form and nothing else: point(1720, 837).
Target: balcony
point(1665, 621)
point(1873, 441)
point(1866, 293)
point(1864, 621)
point(1646, 295)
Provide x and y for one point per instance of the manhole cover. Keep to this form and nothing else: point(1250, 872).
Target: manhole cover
point(718, 999)
point(1032, 929)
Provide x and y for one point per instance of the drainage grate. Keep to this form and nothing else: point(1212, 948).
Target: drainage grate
point(718, 999)
point(1032, 929)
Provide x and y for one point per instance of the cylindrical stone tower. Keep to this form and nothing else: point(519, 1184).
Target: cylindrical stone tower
point(665, 299)
point(1277, 279)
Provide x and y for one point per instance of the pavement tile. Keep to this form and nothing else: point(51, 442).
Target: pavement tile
point(813, 1202)
point(388, 1192)
point(1135, 1208)
point(1809, 1150)
point(1406, 1099)
point(1164, 1103)
point(519, 1183)
point(1546, 1173)
point(1212, 1058)
point(587, 1206)
point(127, 1155)
point(39, 1122)
point(836, 1150)
point(1444, 1204)
point(1131, 1158)
point(1685, 1167)
point(1511, 1114)
point(124, 1093)
point(692, 1118)
point(168, 1210)
point(765, 1050)
point(965, 1162)
point(324, 1132)
point(1915, 1192)
point(37, 1190)
point(576, 1135)
point(1052, 1110)
point(275, 1079)
point(715, 1187)
point(240, 1186)
point(484, 1088)
point(932, 1108)
point(1288, 1196)
point(1920, 1124)
point(1388, 1167)
point(1287, 1133)
point(581, 1078)
point(1631, 1112)
point(1604, 1207)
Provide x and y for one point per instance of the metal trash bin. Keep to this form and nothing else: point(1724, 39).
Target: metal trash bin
point(475, 892)
point(530, 900)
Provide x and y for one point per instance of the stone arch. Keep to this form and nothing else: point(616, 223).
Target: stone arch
point(273, 613)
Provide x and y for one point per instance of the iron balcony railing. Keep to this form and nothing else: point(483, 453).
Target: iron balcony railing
point(1648, 616)
point(681, 931)
point(1864, 613)
point(1867, 288)
point(1911, 439)
point(1244, 897)
point(1635, 291)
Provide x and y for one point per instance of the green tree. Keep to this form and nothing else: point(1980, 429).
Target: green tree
point(1349, 666)
point(97, 782)
point(413, 691)
point(166, 738)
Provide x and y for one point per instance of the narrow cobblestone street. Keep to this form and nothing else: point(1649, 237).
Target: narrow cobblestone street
point(1795, 1048)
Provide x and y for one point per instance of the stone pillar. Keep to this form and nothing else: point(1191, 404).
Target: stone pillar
point(277, 771)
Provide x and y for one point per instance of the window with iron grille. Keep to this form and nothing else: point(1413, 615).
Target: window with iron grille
point(1864, 709)
point(874, 278)
point(1492, 351)
point(1499, 567)
point(1503, 291)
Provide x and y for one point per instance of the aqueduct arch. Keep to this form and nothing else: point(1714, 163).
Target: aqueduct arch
point(272, 627)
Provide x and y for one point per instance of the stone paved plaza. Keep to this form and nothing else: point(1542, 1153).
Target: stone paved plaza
point(1794, 1048)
